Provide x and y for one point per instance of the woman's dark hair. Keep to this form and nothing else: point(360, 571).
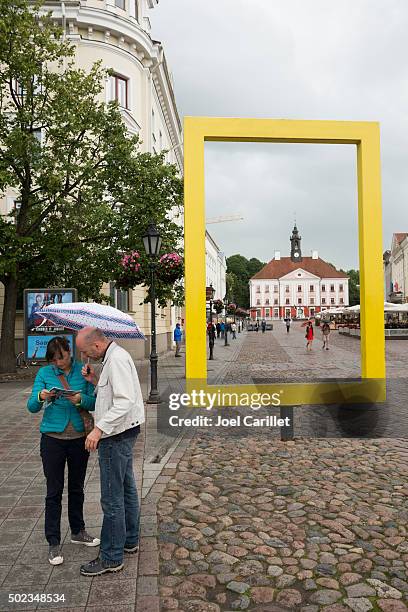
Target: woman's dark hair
point(55, 348)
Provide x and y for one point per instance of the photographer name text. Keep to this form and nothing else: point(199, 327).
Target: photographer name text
point(248, 421)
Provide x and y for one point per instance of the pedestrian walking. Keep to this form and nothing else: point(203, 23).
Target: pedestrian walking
point(119, 412)
point(287, 322)
point(222, 328)
point(218, 326)
point(309, 336)
point(234, 330)
point(178, 334)
point(325, 336)
point(257, 326)
point(63, 442)
point(263, 326)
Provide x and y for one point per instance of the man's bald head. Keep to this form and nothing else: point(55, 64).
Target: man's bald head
point(92, 342)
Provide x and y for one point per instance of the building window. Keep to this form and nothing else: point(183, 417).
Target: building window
point(258, 314)
point(311, 288)
point(287, 288)
point(331, 300)
point(266, 301)
point(267, 311)
point(341, 301)
point(276, 312)
point(119, 90)
point(323, 300)
point(275, 288)
point(119, 298)
point(287, 301)
point(275, 301)
point(258, 302)
point(312, 300)
point(299, 288)
point(332, 288)
point(340, 287)
point(120, 4)
point(266, 288)
point(299, 300)
point(258, 289)
point(323, 287)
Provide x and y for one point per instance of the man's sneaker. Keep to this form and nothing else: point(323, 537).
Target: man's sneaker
point(131, 550)
point(55, 555)
point(98, 567)
point(84, 538)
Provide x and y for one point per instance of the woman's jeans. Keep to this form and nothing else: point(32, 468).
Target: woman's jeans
point(54, 454)
point(119, 498)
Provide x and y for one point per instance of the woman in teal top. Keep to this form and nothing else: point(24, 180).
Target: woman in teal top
point(63, 442)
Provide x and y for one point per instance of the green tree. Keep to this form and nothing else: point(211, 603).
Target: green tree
point(354, 286)
point(84, 190)
point(239, 271)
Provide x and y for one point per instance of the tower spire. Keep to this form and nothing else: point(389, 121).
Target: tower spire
point(295, 249)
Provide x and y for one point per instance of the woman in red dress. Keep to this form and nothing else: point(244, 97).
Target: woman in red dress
point(309, 336)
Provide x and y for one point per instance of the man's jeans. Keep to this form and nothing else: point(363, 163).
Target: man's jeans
point(119, 499)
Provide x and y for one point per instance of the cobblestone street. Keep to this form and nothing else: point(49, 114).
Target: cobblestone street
point(248, 522)
point(234, 519)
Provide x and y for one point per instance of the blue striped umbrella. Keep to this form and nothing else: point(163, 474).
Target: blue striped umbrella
point(75, 315)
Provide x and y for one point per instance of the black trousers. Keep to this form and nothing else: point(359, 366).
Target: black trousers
point(55, 453)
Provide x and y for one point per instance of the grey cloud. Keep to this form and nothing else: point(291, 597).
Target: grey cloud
point(308, 59)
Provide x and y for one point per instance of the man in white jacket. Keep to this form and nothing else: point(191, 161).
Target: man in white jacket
point(119, 412)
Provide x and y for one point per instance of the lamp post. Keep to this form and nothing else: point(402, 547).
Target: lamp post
point(210, 291)
point(226, 325)
point(152, 243)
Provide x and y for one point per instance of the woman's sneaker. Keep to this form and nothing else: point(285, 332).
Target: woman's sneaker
point(131, 550)
point(55, 555)
point(84, 538)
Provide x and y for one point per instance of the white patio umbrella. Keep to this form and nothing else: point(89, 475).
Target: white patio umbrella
point(75, 315)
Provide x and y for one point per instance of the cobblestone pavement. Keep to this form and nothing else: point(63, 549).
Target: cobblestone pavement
point(247, 522)
point(258, 524)
point(230, 520)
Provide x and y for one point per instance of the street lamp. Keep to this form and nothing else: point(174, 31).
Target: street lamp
point(226, 326)
point(152, 243)
point(210, 293)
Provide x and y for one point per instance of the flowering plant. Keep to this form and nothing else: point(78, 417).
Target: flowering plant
point(218, 306)
point(131, 262)
point(130, 273)
point(231, 308)
point(170, 268)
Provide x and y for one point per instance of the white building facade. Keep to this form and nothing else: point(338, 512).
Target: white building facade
point(296, 286)
point(396, 269)
point(215, 267)
point(117, 33)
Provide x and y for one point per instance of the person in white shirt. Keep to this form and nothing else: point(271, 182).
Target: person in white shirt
point(119, 412)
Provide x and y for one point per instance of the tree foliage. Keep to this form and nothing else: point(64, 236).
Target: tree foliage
point(239, 271)
point(85, 193)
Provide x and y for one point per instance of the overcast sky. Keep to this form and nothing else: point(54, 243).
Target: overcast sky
point(294, 59)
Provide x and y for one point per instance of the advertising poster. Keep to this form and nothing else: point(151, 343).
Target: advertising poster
point(36, 300)
point(39, 330)
point(37, 345)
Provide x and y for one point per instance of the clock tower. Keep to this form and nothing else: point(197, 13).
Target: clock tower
point(295, 251)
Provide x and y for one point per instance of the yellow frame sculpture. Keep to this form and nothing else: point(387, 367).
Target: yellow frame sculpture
point(366, 136)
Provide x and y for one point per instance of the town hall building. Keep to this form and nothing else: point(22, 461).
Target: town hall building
point(296, 286)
